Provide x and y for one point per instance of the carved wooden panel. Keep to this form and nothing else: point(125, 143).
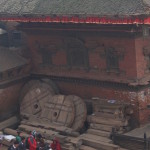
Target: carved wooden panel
point(19, 70)
point(112, 59)
point(1, 76)
point(45, 53)
point(77, 57)
point(113, 56)
point(146, 52)
point(10, 73)
point(77, 53)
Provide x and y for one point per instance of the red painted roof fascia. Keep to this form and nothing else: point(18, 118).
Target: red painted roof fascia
point(92, 20)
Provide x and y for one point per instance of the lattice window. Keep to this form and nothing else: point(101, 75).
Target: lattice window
point(45, 53)
point(148, 62)
point(4, 40)
point(146, 52)
point(10, 74)
point(1, 76)
point(16, 39)
point(77, 57)
point(19, 70)
point(112, 59)
point(46, 57)
point(16, 35)
point(77, 54)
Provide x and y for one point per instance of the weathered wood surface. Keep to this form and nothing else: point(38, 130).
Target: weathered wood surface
point(6, 143)
point(29, 129)
point(9, 122)
point(48, 134)
point(109, 115)
point(66, 142)
point(115, 112)
point(80, 112)
point(123, 149)
point(107, 106)
point(83, 147)
point(106, 121)
point(103, 104)
point(61, 129)
point(52, 84)
point(59, 109)
point(101, 127)
point(58, 121)
point(99, 133)
point(102, 101)
point(33, 97)
point(76, 142)
point(117, 109)
point(95, 137)
point(99, 145)
point(31, 85)
point(68, 146)
point(14, 132)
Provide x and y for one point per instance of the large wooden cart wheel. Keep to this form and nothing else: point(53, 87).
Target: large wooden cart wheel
point(59, 110)
point(33, 97)
point(80, 112)
point(52, 84)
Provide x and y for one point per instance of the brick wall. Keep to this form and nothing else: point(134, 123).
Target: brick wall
point(144, 102)
point(9, 99)
point(95, 46)
point(132, 65)
point(109, 92)
point(138, 99)
point(141, 62)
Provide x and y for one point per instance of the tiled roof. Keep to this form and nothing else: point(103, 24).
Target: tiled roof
point(75, 7)
point(9, 60)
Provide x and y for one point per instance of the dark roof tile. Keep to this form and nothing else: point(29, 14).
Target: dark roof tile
point(75, 7)
point(10, 60)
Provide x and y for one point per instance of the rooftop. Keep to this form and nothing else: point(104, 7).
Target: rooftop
point(73, 8)
point(10, 60)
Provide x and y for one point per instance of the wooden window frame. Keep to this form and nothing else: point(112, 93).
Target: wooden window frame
point(77, 45)
point(112, 60)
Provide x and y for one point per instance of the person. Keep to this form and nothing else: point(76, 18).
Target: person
point(18, 138)
point(47, 146)
point(40, 141)
point(14, 146)
point(22, 145)
point(31, 143)
point(55, 145)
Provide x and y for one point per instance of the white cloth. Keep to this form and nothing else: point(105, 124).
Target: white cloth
point(1, 137)
point(9, 137)
point(14, 146)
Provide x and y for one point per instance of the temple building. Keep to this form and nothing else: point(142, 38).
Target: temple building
point(93, 49)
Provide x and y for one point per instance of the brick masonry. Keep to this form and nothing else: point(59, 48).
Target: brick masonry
point(132, 65)
point(9, 99)
point(97, 63)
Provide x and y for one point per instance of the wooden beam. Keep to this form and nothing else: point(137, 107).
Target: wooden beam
point(9, 122)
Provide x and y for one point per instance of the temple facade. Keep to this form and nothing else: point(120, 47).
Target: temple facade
point(106, 61)
point(93, 52)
